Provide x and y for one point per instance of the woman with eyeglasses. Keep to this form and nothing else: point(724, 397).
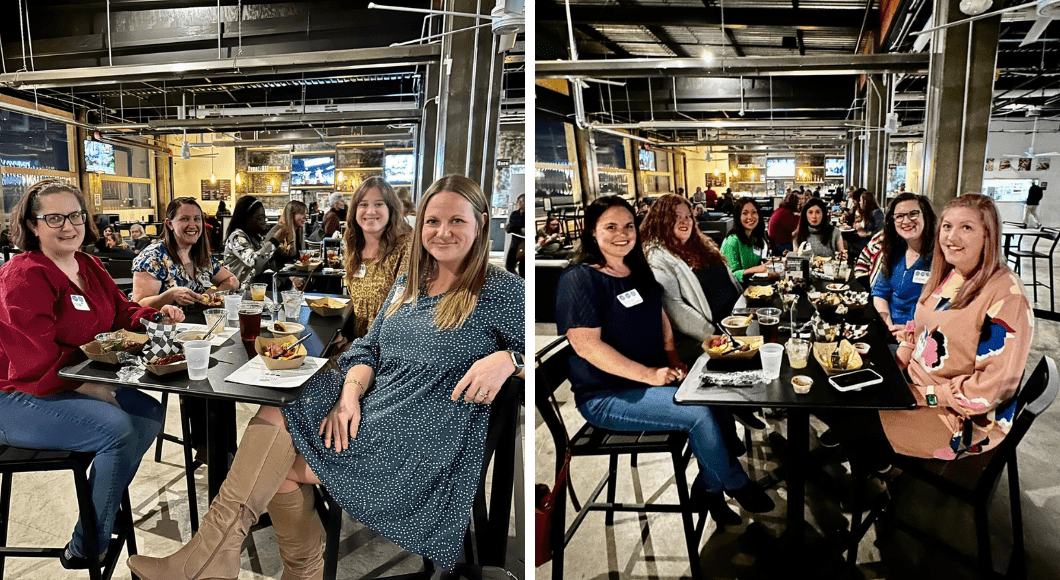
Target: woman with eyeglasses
point(179, 268)
point(248, 250)
point(53, 299)
point(906, 251)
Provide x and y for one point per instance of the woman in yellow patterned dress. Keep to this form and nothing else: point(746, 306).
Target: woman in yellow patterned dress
point(377, 252)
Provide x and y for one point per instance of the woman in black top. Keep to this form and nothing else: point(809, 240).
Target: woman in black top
point(610, 308)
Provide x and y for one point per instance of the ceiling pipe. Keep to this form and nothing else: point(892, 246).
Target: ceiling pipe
point(735, 66)
point(47, 116)
point(115, 140)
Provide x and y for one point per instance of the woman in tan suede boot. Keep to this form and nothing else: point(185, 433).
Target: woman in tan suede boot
point(405, 458)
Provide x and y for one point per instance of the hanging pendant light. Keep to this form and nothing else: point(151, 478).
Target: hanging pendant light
point(213, 178)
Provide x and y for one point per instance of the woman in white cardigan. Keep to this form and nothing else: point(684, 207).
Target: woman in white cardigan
point(698, 287)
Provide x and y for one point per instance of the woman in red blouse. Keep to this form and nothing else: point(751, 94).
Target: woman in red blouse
point(53, 299)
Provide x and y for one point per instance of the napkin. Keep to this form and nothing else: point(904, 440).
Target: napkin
point(255, 373)
point(159, 339)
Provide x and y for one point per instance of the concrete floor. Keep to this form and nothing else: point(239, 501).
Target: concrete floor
point(652, 546)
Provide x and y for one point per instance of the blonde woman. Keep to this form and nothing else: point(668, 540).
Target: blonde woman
point(449, 337)
point(289, 231)
point(377, 252)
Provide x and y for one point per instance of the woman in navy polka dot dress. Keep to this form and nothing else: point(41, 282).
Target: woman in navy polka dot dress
point(398, 437)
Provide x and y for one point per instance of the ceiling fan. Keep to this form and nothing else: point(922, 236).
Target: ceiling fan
point(185, 149)
point(1030, 150)
point(1045, 10)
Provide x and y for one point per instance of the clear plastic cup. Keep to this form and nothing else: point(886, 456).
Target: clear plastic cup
point(213, 315)
point(257, 292)
point(197, 353)
point(292, 303)
point(798, 352)
point(250, 320)
point(772, 354)
point(232, 302)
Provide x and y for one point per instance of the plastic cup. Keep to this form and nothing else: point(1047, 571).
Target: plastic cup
point(250, 320)
point(197, 353)
point(798, 352)
point(232, 302)
point(292, 303)
point(770, 327)
point(257, 292)
point(213, 315)
point(772, 354)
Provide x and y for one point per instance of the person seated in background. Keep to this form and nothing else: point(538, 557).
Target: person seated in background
point(783, 223)
point(699, 289)
point(625, 359)
point(335, 215)
point(550, 240)
point(746, 245)
point(515, 259)
point(290, 231)
point(408, 206)
point(726, 204)
point(53, 299)
point(247, 251)
point(139, 238)
point(869, 219)
point(966, 353)
point(179, 268)
point(906, 251)
point(820, 237)
point(117, 246)
point(851, 206)
point(222, 209)
point(378, 242)
point(410, 400)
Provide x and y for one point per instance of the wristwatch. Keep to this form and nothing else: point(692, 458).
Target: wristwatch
point(517, 360)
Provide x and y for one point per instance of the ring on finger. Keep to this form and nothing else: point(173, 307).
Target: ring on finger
point(482, 394)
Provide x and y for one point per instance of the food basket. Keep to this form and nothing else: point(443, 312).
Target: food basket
point(822, 351)
point(326, 306)
point(758, 295)
point(94, 350)
point(722, 351)
point(262, 344)
point(169, 369)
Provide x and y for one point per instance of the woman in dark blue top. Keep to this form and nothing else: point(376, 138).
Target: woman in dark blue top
point(905, 259)
point(610, 308)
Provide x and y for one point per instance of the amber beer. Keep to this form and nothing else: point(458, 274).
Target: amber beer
point(249, 321)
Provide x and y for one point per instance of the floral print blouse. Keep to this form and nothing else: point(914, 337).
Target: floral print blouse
point(157, 262)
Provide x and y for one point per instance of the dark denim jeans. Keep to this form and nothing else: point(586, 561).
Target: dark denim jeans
point(653, 409)
point(75, 422)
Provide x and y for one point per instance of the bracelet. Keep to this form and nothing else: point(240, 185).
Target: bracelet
point(360, 386)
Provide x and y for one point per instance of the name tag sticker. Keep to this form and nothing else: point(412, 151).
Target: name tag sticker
point(79, 302)
point(630, 299)
point(361, 271)
point(921, 276)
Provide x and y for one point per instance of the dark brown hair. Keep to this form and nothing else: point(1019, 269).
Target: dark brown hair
point(658, 229)
point(824, 231)
point(394, 235)
point(200, 250)
point(893, 245)
point(28, 207)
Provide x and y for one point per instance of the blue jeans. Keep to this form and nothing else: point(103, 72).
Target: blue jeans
point(75, 422)
point(653, 409)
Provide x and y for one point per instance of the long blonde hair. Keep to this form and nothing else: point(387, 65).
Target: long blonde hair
point(293, 208)
point(460, 300)
point(989, 262)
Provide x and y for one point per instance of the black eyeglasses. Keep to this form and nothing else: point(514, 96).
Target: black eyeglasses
point(58, 220)
point(913, 216)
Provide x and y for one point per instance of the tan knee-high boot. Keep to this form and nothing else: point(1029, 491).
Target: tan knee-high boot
point(261, 465)
point(299, 534)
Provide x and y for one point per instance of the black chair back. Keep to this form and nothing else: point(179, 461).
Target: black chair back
point(118, 268)
point(552, 369)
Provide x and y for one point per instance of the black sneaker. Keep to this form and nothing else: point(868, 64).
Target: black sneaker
point(752, 498)
point(828, 439)
point(70, 561)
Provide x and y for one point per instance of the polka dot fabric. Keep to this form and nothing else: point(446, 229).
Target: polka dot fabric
point(412, 471)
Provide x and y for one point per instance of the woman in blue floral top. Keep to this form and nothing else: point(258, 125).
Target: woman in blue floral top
point(178, 268)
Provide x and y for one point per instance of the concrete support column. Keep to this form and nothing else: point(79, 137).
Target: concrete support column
point(877, 103)
point(469, 96)
point(960, 87)
point(585, 145)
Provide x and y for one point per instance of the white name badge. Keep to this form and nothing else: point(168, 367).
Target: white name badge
point(361, 271)
point(79, 302)
point(921, 276)
point(630, 299)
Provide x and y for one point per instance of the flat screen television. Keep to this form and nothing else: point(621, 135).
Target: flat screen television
point(314, 170)
point(834, 166)
point(399, 168)
point(780, 167)
point(99, 157)
point(647, 160)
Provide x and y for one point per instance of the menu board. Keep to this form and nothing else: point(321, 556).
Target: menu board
point(220, 191)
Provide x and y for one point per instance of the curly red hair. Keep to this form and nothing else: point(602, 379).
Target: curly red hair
point(658, 229)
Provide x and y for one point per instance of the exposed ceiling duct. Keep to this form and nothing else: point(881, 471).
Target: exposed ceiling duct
point(735, 67)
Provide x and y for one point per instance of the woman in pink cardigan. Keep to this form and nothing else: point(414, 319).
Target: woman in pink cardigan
point(965, 352)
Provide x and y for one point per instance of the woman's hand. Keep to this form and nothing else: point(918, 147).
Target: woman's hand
point(660, 376)
point(298, 282)
point(282, 234)
point(171, 314)
point(485, 378)
point(759, 269)
point(341, 424)
point(182, 296)
point(105, 393)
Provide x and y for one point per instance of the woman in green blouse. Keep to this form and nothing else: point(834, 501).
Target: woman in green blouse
point(747, 243)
